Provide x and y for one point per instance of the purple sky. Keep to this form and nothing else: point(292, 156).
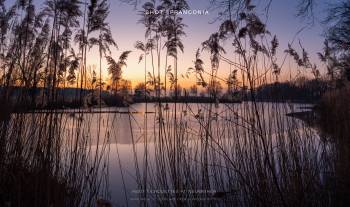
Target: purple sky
point(282, 21)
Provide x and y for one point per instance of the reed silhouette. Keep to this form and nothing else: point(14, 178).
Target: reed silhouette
point(184, 153)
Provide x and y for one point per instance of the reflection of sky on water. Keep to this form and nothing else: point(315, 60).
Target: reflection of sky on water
point(122, 127)
point(117, 126)
point(121, 130)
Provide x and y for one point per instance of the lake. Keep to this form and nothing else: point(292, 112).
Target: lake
point(145, 152)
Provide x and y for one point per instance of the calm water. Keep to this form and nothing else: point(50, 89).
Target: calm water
point(126, 132)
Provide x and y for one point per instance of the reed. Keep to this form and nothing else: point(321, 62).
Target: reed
point(247, 154)
point(212, 154)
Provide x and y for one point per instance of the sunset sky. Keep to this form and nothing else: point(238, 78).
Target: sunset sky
point(282, 21)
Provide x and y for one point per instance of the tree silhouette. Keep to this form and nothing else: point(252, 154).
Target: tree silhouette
point(338, 37)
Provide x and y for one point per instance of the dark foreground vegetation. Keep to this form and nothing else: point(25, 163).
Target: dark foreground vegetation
point(247, 154)
point(334, 111)
point(42, 162)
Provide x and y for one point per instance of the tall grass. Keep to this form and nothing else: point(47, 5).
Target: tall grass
point(48, 158)
point(231, 162)
point(247, 154)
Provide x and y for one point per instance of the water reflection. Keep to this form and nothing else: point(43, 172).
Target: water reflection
point(128, 132)
point(129, 123)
